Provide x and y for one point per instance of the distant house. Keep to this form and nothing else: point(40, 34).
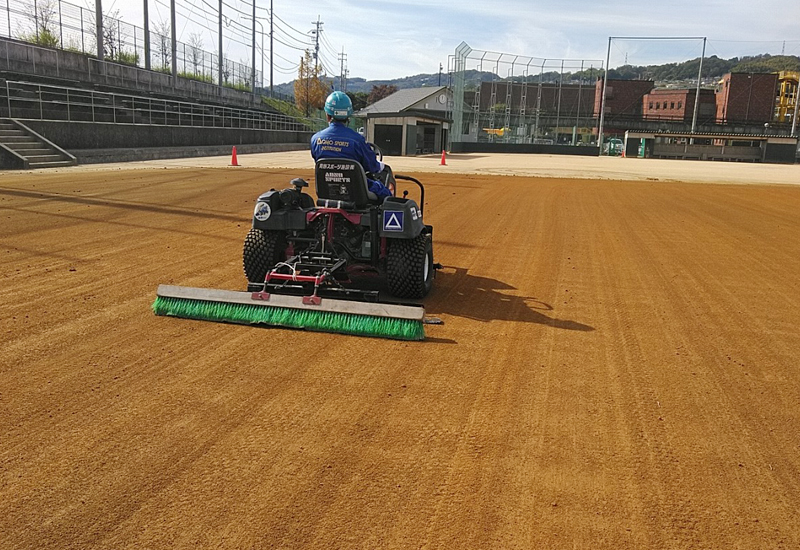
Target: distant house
point(412, 121)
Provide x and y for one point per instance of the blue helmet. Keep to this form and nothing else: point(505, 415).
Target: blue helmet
point(339, 106)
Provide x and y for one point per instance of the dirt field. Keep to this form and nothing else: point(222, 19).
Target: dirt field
point(618, 369)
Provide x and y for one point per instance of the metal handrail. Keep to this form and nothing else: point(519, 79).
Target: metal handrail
point(123, 106)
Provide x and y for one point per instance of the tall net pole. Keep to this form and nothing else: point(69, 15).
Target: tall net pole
point(647, 38)
point(697, 93)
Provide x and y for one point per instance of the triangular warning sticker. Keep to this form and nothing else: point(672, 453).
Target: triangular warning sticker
point(393, 222)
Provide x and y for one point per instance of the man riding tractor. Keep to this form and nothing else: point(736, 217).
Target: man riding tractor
point(339, 141)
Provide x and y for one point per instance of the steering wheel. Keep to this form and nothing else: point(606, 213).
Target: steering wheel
point(376, 150)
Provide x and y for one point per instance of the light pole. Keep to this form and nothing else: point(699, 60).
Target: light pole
point(254, 51)
point(262, 53)
point(98, 8)
point(270, 49)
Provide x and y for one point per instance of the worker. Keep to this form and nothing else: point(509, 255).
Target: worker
point(339, 141)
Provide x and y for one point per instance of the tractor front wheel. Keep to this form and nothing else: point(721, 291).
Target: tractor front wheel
point(262, 250)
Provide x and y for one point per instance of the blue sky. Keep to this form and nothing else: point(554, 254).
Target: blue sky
point(392, 39)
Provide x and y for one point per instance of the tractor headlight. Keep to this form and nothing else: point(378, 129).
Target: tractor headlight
point(262, 211)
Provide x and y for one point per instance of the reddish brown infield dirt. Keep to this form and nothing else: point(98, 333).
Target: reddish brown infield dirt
point(618, 369)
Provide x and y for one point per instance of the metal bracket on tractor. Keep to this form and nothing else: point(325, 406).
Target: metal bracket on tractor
point(312, 276)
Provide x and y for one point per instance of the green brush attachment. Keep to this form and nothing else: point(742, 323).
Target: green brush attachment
point(305, 317)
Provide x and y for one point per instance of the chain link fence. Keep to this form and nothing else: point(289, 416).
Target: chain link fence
point(59, 24)
point(507, 98)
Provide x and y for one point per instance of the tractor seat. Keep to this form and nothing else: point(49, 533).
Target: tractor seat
point(342, 181)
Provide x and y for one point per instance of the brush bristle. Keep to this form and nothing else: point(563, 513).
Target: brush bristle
point(309, 319)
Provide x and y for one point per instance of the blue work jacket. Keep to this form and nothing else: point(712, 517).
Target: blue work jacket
point(339, 141)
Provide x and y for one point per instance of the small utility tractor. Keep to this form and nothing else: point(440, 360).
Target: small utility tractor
point(346, 262)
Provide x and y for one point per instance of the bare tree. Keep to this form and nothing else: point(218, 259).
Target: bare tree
point(245, 73)
point(112, 35)
point(226, 69)
point(45, 23)
point(163, 43)
point(196, 51)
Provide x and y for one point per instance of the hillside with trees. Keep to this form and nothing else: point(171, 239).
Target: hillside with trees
point(713, 68)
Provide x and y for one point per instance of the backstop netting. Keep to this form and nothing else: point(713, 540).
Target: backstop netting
point(508, 98)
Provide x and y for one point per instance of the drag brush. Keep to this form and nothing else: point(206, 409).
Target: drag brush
point(330, 315)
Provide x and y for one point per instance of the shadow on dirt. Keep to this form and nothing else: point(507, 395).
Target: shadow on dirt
point(484, 299)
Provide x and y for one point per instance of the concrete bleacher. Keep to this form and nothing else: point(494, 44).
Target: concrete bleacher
point(84, 104)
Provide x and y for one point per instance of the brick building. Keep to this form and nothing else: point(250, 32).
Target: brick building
point(747, 97)
point(678, 104)
point(575, 99)
point(623, 97)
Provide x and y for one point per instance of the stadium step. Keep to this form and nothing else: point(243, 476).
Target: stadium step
point(25, 149)
point(51, 164)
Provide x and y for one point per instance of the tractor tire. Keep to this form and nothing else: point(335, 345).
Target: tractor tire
point(409, 267)
point(262, 250)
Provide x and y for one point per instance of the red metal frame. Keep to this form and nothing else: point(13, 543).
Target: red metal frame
point(352, 217)
point(314, 299)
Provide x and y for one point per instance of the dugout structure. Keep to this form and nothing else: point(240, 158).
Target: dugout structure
point(509, 102)
point(711, 146)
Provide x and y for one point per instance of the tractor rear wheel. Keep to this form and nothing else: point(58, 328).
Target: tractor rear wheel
point(409, 266)
point(262, 250)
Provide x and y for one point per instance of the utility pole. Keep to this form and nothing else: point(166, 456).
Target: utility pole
point(253, 72)
point(440, 74)
point(98, 7)
point(220, 48)
point(174, 44)
point(316, 32)
point(270, 50)
point(343, 71)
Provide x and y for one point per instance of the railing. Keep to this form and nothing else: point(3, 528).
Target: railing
point(67, 26)
point(47, 62)
point(29, 101)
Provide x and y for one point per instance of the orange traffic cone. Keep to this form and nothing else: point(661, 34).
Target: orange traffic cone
point(443, 163)
point(234, 162)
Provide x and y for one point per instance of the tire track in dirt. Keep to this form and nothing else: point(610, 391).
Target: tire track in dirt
point(572, 399)
point(646, 249)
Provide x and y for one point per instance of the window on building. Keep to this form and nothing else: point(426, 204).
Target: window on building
point(665, 104)
point(680, 104)
point(672, 105)
point(651, 105)
point(657, 106)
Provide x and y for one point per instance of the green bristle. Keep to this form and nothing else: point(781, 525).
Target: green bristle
point(324, 321)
